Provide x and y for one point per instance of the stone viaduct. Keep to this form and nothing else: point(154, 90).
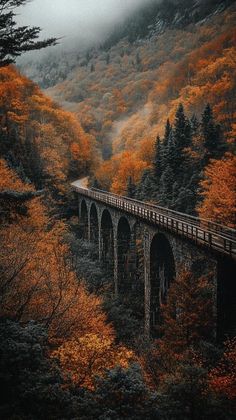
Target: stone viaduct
point(146, 246)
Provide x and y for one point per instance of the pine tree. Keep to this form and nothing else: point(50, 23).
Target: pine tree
point(182, 130)
point(131, 188)
point(168, 130)
point(157, 164)
point(195, 126)
point(15, 40)
point(167, 181)
point(212, 135)
point(146, 187)
point(165, 143)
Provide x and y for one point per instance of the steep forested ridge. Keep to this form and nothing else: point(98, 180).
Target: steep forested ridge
point(43, 143)
point(123, 94)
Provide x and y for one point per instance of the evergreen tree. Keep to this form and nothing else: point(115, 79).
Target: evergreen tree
point(121, 394)
point(182, 138)
point(15, 40)
point(167, 181)
point(212, 136)
point(31, 386)
point(146, 187)
point(95, 184)
point(171, 156)
point(165, 143)
point(131, 188)
point(157, 164)
point(182, 129)
point(195, 126)
point(168, 130)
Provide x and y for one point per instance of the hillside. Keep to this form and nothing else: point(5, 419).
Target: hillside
point(124, 92)
point(108, 310)
point(44, 144)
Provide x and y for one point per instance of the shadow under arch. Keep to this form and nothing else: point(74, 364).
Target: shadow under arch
point(124, 257)
point(107, 241)
point(226, 298)
point(94, 227)
point(84, 219)
point(162, 273)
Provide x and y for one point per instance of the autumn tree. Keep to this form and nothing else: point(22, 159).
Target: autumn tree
point(16, 40)
point(219, 191)
point(45, 144)
point(177, 365)
point(222, 378)
point(83, 359)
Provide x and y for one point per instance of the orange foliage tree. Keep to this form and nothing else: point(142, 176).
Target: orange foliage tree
point(219, 191)
point(87, 357)
point(37, 282)
point(40, 134)
point(222, 379)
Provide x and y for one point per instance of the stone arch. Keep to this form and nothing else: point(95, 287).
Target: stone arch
point(124, 255)
point(107, 240)
point(94, 224)
point(84, 219)
point(162, 272)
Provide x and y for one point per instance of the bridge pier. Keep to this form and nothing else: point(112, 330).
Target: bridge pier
point(167, 242)
point(147, 282)
point(116, 266)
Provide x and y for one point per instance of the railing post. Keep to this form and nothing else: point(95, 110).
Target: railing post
point(210, 239)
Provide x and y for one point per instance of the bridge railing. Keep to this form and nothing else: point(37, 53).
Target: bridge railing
point(204, 223)
point(202, 231)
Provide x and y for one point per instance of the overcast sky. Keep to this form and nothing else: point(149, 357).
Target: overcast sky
point(83, 20)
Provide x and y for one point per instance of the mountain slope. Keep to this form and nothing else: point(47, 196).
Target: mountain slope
point(123, 95)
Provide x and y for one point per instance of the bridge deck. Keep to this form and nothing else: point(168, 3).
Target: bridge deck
point(204, 232)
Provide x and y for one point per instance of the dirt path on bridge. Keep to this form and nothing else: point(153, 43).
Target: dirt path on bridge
point(81, 183)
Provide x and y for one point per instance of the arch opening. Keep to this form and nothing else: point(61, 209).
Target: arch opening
point(162, 273)
point(84, 220)
point(107, 241)
point(94, 228)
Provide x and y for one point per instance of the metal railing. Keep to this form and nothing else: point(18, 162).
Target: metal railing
point(203, 232)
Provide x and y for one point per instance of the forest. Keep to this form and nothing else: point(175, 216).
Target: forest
point(149, 114)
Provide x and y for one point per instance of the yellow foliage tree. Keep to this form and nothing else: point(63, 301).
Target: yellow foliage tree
point(90, 356)
point(219, 191)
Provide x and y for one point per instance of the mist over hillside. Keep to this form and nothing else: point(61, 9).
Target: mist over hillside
point(123, 91)
point(135, 21)
point(117, 210)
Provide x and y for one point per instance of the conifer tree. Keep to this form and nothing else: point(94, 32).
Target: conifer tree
point(212, 136)
point(15, 40)
point(182, 130)
point(146, 187)
point(131, 188)
point(168, 130)
point(165, 143)
point(158, 159)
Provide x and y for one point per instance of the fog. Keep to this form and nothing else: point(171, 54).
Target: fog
point(80, 22)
